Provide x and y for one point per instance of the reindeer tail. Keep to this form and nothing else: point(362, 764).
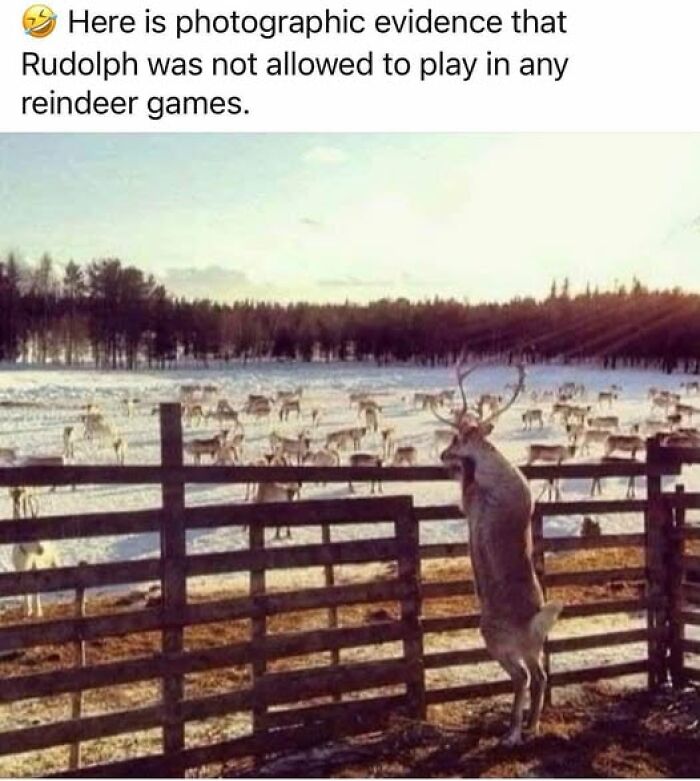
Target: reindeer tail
point(542, 622)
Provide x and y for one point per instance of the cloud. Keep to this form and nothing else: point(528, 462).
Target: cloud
point(352, 281)
point(310, 222)
point(325, 155)
point(212, 281)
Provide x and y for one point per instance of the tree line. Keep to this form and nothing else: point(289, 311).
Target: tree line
point(109, 314)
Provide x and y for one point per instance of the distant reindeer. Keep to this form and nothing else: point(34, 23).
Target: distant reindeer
point(27, 556)
point(550, 454)
point(496, 500)
point(532, 416)
point(405, 455)
point(366, 459)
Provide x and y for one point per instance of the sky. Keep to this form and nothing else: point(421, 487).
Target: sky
point(360, 216)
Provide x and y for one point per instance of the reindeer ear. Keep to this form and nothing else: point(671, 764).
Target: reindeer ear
point(485, 429)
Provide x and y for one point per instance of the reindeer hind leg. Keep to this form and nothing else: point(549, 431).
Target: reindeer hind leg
point(520, 676)
point(538, 685)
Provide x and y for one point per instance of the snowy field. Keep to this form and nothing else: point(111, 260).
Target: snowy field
point(35, 406)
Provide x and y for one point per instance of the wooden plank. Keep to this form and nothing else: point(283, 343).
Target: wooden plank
point(692, 532)
point(585, 642)
point(77, 696)
point(90, 728)
point(256, 541)
point(218, 705)
point(595, 577)
point(293, 739)
point(63, 630)
point(439, 512)
point(559, 544)
point(332, 614)
point(655, 553)
point(315, 512)
point(125, 671)
point(153, 475)
point(439, 659)
point(690, 592)
point(588, 674)
point(447, 588)
point(538, 560)
point(691, 646)
point(605, 608)
point(441, 624)
point(348, 710)
point(70, 578)
point(173, 553)
point(688, 617)
point(280, 688)
point(63, 527)
point(676, 549)
point(444, 550)
point(691, 564)
point(314, 555)
point(468, 691)
point(407, 533)
point(286, 602)
point(471, 620)
point(593, 507)
point(493, 688)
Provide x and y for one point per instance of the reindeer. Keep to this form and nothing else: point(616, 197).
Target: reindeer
point(288, 406)
point(611, 422)
point(365, 459)
point(532, 416)
point(372, 418)
point(607, 397)
point(624, 443)
point(550, 454)
point(8, 455)
point(206, 447)
point(223, 412)
point(32, 556)
point(442, 437)
point(405, 455)
point(24, 502)
point(258, 407)
point(388, 443)
point(497, 502)
point(274, 492)
point(598, 436)
point(285, 446)
point(687, 410)
point(120, 446)
point(597, 482)
point(691, 387)
point(69, 442)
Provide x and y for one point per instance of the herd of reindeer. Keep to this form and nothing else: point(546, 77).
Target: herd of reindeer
point(496, 499)
point(582, 419)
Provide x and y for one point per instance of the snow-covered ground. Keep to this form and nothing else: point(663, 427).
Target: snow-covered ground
point(35, 406)
point(48, 400)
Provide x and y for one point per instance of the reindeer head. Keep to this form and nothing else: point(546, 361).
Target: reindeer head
point(472, 432)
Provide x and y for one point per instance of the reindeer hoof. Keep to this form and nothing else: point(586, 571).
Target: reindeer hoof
point(512, 738)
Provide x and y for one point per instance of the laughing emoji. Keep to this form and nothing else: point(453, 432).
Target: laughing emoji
point(39, 21)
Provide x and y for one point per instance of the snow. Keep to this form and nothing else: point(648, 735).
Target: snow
point(36, 405)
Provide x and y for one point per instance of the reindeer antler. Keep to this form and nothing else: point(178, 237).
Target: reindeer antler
point(518, 390)
point(462, 374)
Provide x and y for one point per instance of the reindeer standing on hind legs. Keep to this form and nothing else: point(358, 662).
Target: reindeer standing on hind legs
point(497, 502)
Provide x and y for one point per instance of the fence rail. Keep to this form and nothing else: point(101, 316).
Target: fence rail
point(377, 637)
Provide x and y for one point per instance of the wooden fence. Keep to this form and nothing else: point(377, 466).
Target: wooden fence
point(378, 636)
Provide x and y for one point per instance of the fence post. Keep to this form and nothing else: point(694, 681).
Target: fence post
point(408, 538)
point(256, 542)
point(79, 661)
point(539, 563)
point(329, 579)
point(658, 523)
point(173, 552)
point(675, 608)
